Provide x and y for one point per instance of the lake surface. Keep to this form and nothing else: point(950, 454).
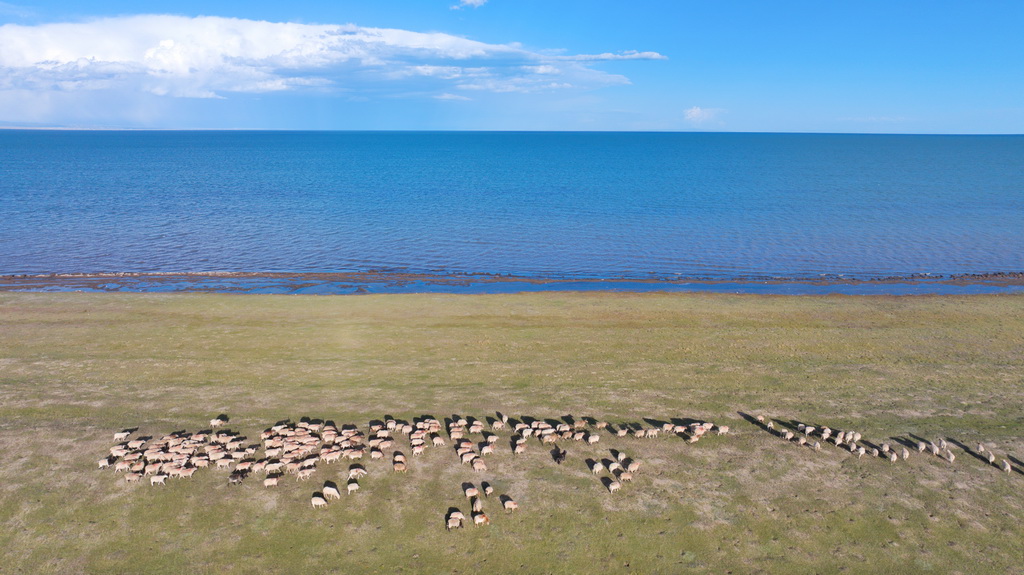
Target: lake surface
point(571, 206)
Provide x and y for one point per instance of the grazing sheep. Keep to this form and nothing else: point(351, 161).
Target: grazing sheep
point(809, 430)
point(817, 446)
point(488, 489)
point(624, 476)
point(874, 452)
point(885, 448)
point(133, 477)
point(770, 426)
point(1005, 466)
point(981, 448)
point(593, 438)
point(318, 501)
point(509, 505)
point(949, 456)
point(480, 518)
point(105, 462)
point(723, 429)
point(596, 467)
point(470, 490)
point(801, 441)
point(121, 435)
point(453, 523)
point(331, 491)
point(921, 446)
point(270, 481)
point(479, 465)
point(304, 474)
point(760, 419)
point(217, 422)
point(942, 444)
point(800, 427)
point(352, 486)
point(519, 449)
point(860, 452)
point(633, 466)
point(991, 458)
point(905, 453)
point(157, 480)
point(477, 505)
point(399, 466)
point(893, 457)
point(614, 486)
point(787, 435)
point(934, 449)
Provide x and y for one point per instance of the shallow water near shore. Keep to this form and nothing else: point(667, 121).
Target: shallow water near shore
point(756, 213)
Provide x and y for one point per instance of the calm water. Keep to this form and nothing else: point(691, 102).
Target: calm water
point(564, 205)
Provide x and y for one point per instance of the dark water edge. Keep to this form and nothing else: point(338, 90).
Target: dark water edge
point(396, 283)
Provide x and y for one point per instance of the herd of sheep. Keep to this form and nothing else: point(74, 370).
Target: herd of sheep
point(814, 436)
point(300, 448)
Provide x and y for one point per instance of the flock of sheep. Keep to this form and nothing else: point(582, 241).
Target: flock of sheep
point(814, 436)
point(300, 448)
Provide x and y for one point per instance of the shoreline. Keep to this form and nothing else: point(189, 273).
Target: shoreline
point(351, 283)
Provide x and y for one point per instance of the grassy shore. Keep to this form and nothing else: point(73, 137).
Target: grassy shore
point(74, 368)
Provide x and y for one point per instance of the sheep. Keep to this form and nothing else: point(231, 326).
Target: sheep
point(470, 490)
point(304, 474)
point(399, 466)
point(478, 505)
point(934, 449)
point(596, 467)
point(949, 456)
point(893, 457)
point(860, 452)
point(509, 505)
point(760, 419)
point(921, 446)
point(318, 501)
point(991, 458)
point(519, 449)
point(723, 430)
point(271, 481)
point(787, 435)
point(104, 463)
point(157, 480)
point(453, 522)
point(479, 465)
point(817, 446)
point(624, 476)
point(1005, 466)
point(488, 489)
point(356, 471)
point(437, 440)
point(132, 477)
point(801, 441)
point(885, 449)
point(352, 486)
point(480, 518)
point(981, 448)
point(614, 486)
point(330, 491)
point(801, 427)
point(809, 430)
point(217, 422)
point(593, 438)
point(121, 435)
point(905, 453)
point(874, 452)
point(770, 426)
point(942, 444)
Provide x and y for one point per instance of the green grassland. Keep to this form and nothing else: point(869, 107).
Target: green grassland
point(75, 368)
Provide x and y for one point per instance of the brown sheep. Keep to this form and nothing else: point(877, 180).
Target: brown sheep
point(480, 518)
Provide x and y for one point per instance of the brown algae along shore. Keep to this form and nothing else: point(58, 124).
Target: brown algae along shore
point(77, 367)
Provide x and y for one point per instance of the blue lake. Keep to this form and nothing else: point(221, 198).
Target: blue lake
point(732, 207)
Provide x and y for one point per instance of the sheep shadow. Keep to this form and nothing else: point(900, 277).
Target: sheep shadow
point(329, 485)
point(607, 482)
point(558, 455)
point(970, 451)
point(752, 420)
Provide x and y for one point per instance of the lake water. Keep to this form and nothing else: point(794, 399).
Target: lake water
point(571, 206)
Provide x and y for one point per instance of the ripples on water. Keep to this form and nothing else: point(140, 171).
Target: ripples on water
point(564, 205)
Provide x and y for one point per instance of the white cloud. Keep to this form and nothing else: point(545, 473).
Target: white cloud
point(698, 115)
point(627, 55)
point(466, 3)
point(447, 96)
point(213, 57)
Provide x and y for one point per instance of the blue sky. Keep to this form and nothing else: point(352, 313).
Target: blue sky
point(681, 65)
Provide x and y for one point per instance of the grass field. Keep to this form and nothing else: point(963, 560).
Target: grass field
point(75, 368)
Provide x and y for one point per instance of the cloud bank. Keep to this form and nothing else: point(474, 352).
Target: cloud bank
point(214, 57)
